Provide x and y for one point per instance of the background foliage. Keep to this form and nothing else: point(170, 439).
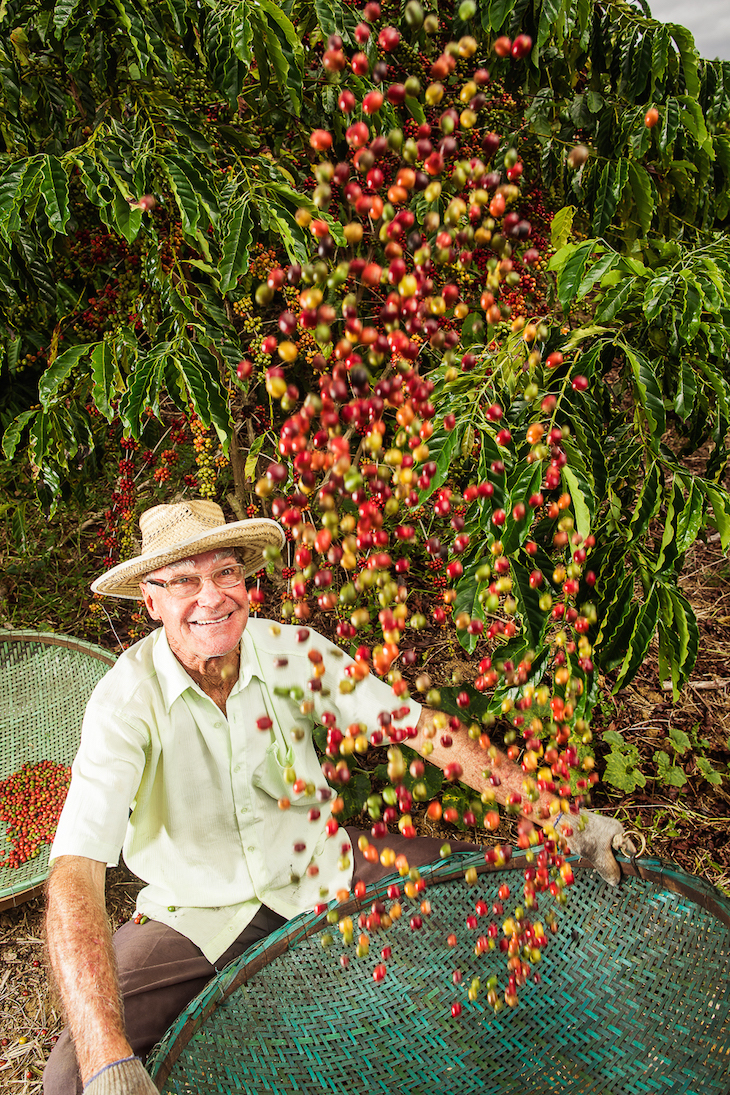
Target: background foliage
point(156, 166)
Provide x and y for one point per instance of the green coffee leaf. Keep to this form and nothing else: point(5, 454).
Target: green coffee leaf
point(467, 590)
point(657, 294)
point(571, 274)
point(688, 53)
point(670, 124)
point(690, 113)
point(644, 194)
point(668, 550)
point(63, 12)
point(614, 177)
point(692, 309)
point(582, 498)
point(689, 520)
point(561, 227)
point(242, 35)
point(684, 401)
point(641, 636)
point(720, 503)
point(184, 194)
point(253, 455)
point(142, 390)
point(56, 374)
point(660, 52)
point(615, 300)
point(287, 77)
point(11, 193)
point(687, 634)
point(104, 373)
point(354, 794)
point(54, 189)
point(236, 245)
point(441, 446)
point(617, 620)
point(668, 642)
point(13, 433)
point(648, 502)
point(549, 21)
point(496, 12)
point(335, 18)
point(527, 483)
point(608, 261)
point(639, 65)
point(649, 394)
point(199, 183)
point(203, 381)
point(135, 28)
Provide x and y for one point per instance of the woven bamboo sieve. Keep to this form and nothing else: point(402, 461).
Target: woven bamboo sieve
point(45, 683)
point(634, 1000)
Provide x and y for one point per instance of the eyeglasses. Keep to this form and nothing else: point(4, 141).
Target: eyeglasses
point(189, 585)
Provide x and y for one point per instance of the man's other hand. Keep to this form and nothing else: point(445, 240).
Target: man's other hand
point(596, 838)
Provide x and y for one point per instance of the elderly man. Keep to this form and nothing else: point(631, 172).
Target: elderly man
point(189, 748)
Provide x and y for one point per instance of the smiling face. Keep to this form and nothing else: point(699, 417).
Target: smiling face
point(207, 625)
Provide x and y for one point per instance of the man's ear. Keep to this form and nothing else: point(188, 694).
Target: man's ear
point(149, 603)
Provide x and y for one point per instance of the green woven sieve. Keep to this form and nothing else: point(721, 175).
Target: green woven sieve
point(634, 1000)
point(45, 682)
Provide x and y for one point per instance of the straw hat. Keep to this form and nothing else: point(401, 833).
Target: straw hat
point(177, 531)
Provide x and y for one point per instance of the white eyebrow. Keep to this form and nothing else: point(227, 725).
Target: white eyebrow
point(188, 564)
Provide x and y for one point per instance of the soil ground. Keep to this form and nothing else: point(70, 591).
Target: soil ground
point(691, 826)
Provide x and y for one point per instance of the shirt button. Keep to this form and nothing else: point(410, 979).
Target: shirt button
point(237, 768)
point(251, 849)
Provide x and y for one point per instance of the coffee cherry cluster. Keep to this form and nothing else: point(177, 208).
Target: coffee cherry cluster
point(30, 806)
point(433, 239)
point(204, 457)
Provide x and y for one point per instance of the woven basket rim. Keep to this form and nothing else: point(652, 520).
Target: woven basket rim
point(161, 1061)
point(17, 893)
point(56, 638)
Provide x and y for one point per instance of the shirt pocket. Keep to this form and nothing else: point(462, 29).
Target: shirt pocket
point(270, 775)
point(282, 755)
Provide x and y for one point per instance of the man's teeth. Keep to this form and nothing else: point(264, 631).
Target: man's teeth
point(206, 623)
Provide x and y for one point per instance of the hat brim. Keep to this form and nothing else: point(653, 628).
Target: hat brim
point(251, 537)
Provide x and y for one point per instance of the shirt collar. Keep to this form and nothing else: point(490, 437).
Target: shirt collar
point(174, 680)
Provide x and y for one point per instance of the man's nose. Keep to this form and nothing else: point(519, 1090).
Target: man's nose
point(209, 592)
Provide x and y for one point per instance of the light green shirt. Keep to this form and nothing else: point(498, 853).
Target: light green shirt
point(192, 795)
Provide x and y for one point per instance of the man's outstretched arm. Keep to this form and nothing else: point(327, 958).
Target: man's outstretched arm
point(473, 760)
point(83, 962)
point(590, 835)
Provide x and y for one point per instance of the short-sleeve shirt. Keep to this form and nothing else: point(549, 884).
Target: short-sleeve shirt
point(194, 797)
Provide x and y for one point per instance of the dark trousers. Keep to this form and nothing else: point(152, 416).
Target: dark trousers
point(160, 970)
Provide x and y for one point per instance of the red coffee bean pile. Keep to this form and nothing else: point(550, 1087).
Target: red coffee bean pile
point(30, 805)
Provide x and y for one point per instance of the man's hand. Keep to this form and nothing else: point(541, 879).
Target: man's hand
point(127, 1077)
point(596, 838)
